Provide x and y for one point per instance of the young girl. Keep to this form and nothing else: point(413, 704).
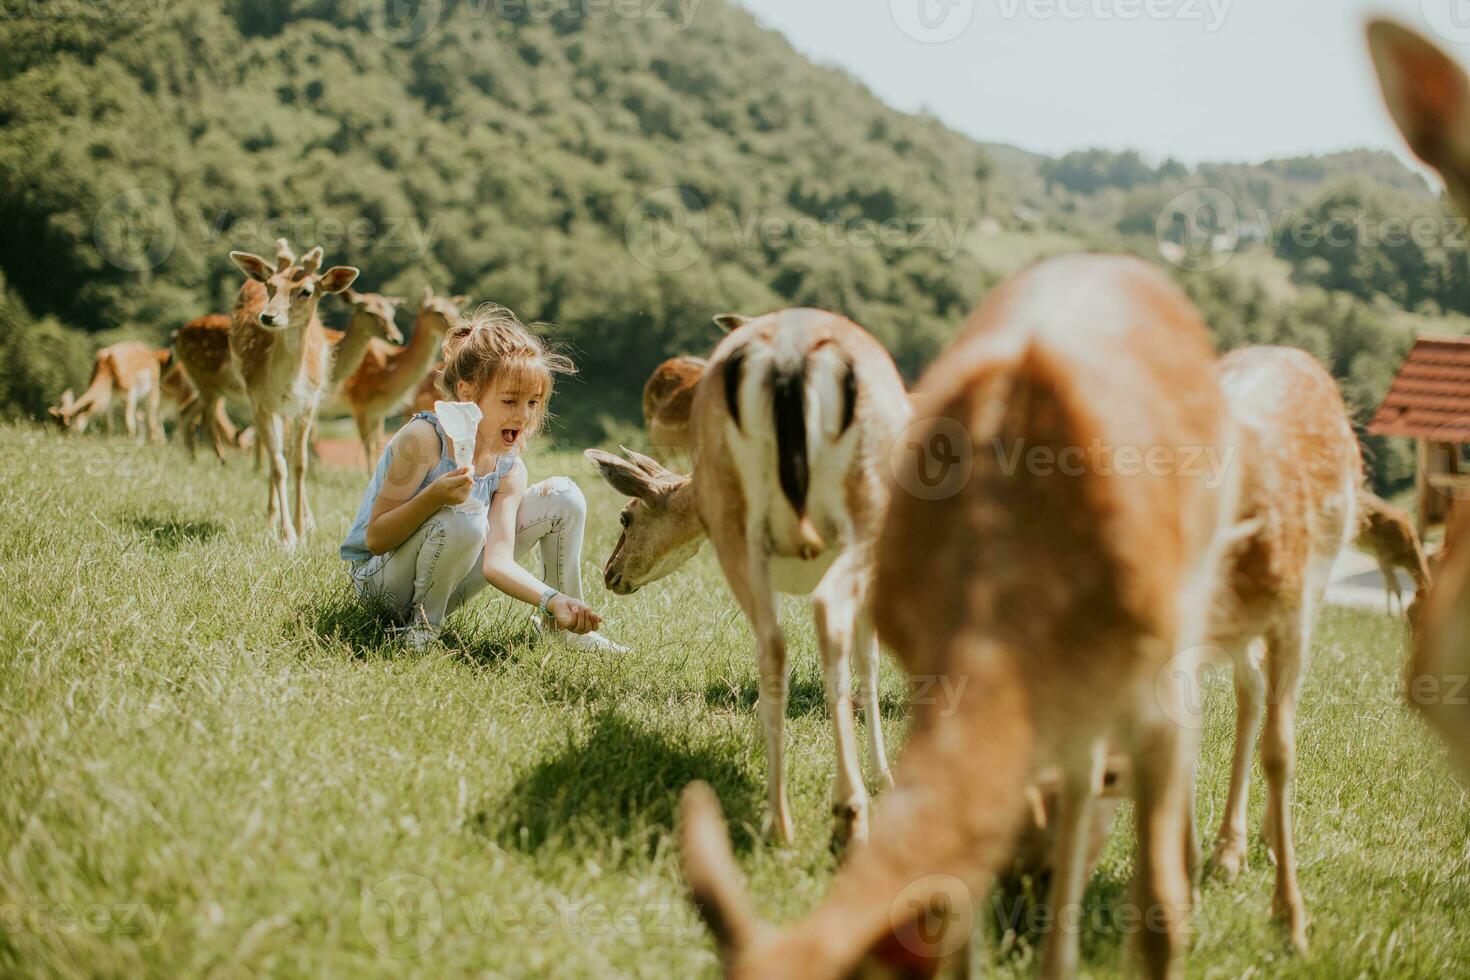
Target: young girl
point(420, 549)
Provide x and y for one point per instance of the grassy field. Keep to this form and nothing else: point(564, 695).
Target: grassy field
point(213, 765)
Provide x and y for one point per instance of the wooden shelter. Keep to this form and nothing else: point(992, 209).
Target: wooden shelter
point(1429, 402)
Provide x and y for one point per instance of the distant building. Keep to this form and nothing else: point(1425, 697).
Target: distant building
point(1429, 402)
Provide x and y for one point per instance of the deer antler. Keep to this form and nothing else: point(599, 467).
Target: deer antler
point(284, 256)
point(312, 260)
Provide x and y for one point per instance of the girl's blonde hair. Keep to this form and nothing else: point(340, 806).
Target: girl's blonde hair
point(492, 344)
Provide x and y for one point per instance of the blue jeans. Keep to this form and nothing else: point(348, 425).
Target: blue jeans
point(438, 569)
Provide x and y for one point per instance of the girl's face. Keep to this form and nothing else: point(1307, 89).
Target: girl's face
point(510, 405)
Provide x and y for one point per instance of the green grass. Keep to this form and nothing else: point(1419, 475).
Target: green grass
point(214, 765)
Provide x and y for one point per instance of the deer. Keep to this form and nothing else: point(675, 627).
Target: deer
point(279, 350)
point(128, 369)
point(1387, 533)
point(372, 319)
point(1428, 96)
point(179, 390)
point(1300, 473)
point(1059, 584)
point(791, 425)
point(668, 396)
point(388, 373)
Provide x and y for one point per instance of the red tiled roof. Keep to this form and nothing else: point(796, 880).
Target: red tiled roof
point(1430, 397)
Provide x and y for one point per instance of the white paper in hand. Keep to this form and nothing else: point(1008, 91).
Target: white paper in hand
point(460, 421)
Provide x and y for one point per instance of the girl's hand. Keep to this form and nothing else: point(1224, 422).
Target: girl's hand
point(452, 488)
point(573, 615)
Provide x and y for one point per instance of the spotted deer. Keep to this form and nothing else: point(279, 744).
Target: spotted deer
point(388, 374)
point(1428, 96)
point(1058, 586)
point(128, 370)
point(792, 422)
point(372, 319)
point(1387, 533)
point(279, 350)
point(181, 398)
point(1300, 468)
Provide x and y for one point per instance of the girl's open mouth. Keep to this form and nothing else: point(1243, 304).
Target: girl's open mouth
point(509, 436)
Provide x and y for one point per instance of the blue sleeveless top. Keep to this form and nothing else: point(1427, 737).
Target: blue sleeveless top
point(354, 548)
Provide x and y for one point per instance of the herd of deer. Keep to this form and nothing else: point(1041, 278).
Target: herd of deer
point(1064, 684)
point(273, 355)
point(1206, 503)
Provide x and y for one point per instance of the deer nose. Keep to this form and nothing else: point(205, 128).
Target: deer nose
point(612, 580)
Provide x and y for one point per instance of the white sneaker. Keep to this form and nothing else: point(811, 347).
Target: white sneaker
point(416, 636)
point(593, 642)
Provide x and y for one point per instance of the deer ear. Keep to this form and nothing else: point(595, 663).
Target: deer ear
point(730, 321)
point(647, 464)
point(253, 266)
point(710, 872)
point(459, 302)
point(338, 278)
point(1426, 91)
point(426, 296)
point(620, 474)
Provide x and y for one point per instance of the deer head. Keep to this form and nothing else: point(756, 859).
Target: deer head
point(661, 529)
point(439, 312)
point(63, 411)
point(292, 291)
point(378, 311)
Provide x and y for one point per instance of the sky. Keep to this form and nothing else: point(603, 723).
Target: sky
point(1239, 80)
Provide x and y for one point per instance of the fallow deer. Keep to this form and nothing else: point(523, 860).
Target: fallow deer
point(129, 370)
point(1387, 533)
point(1428, 96)
point(178, 395)
point(1058, 587)
point(668, 396)
point(792, 423)
point(1300, 467)
point(372, 319)
point(279, 350)
point(202, 348)
point(388, 373)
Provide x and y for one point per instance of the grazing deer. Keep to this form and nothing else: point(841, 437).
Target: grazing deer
point(1058, 587)
point(1300, 467)
point(792, 423)
point(279, 350)
point(1428, 95)
point(130, 370)
point(1387, 533)
point(388, 374)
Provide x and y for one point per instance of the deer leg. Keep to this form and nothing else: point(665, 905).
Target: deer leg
point(752, 587)
point(1287, 647)
point(271, 432)
point(1229, 856)
point(367, 433)
point(1391, 588)
point(187, 414)
point(155, 428)
point(130, 416)
point(865, 667)
point(835, 604)
point(1162, 762)
point(218, 425)
point(300, 448)
point(1082, 780)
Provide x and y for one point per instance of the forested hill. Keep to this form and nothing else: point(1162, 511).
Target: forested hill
point(621, 176)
